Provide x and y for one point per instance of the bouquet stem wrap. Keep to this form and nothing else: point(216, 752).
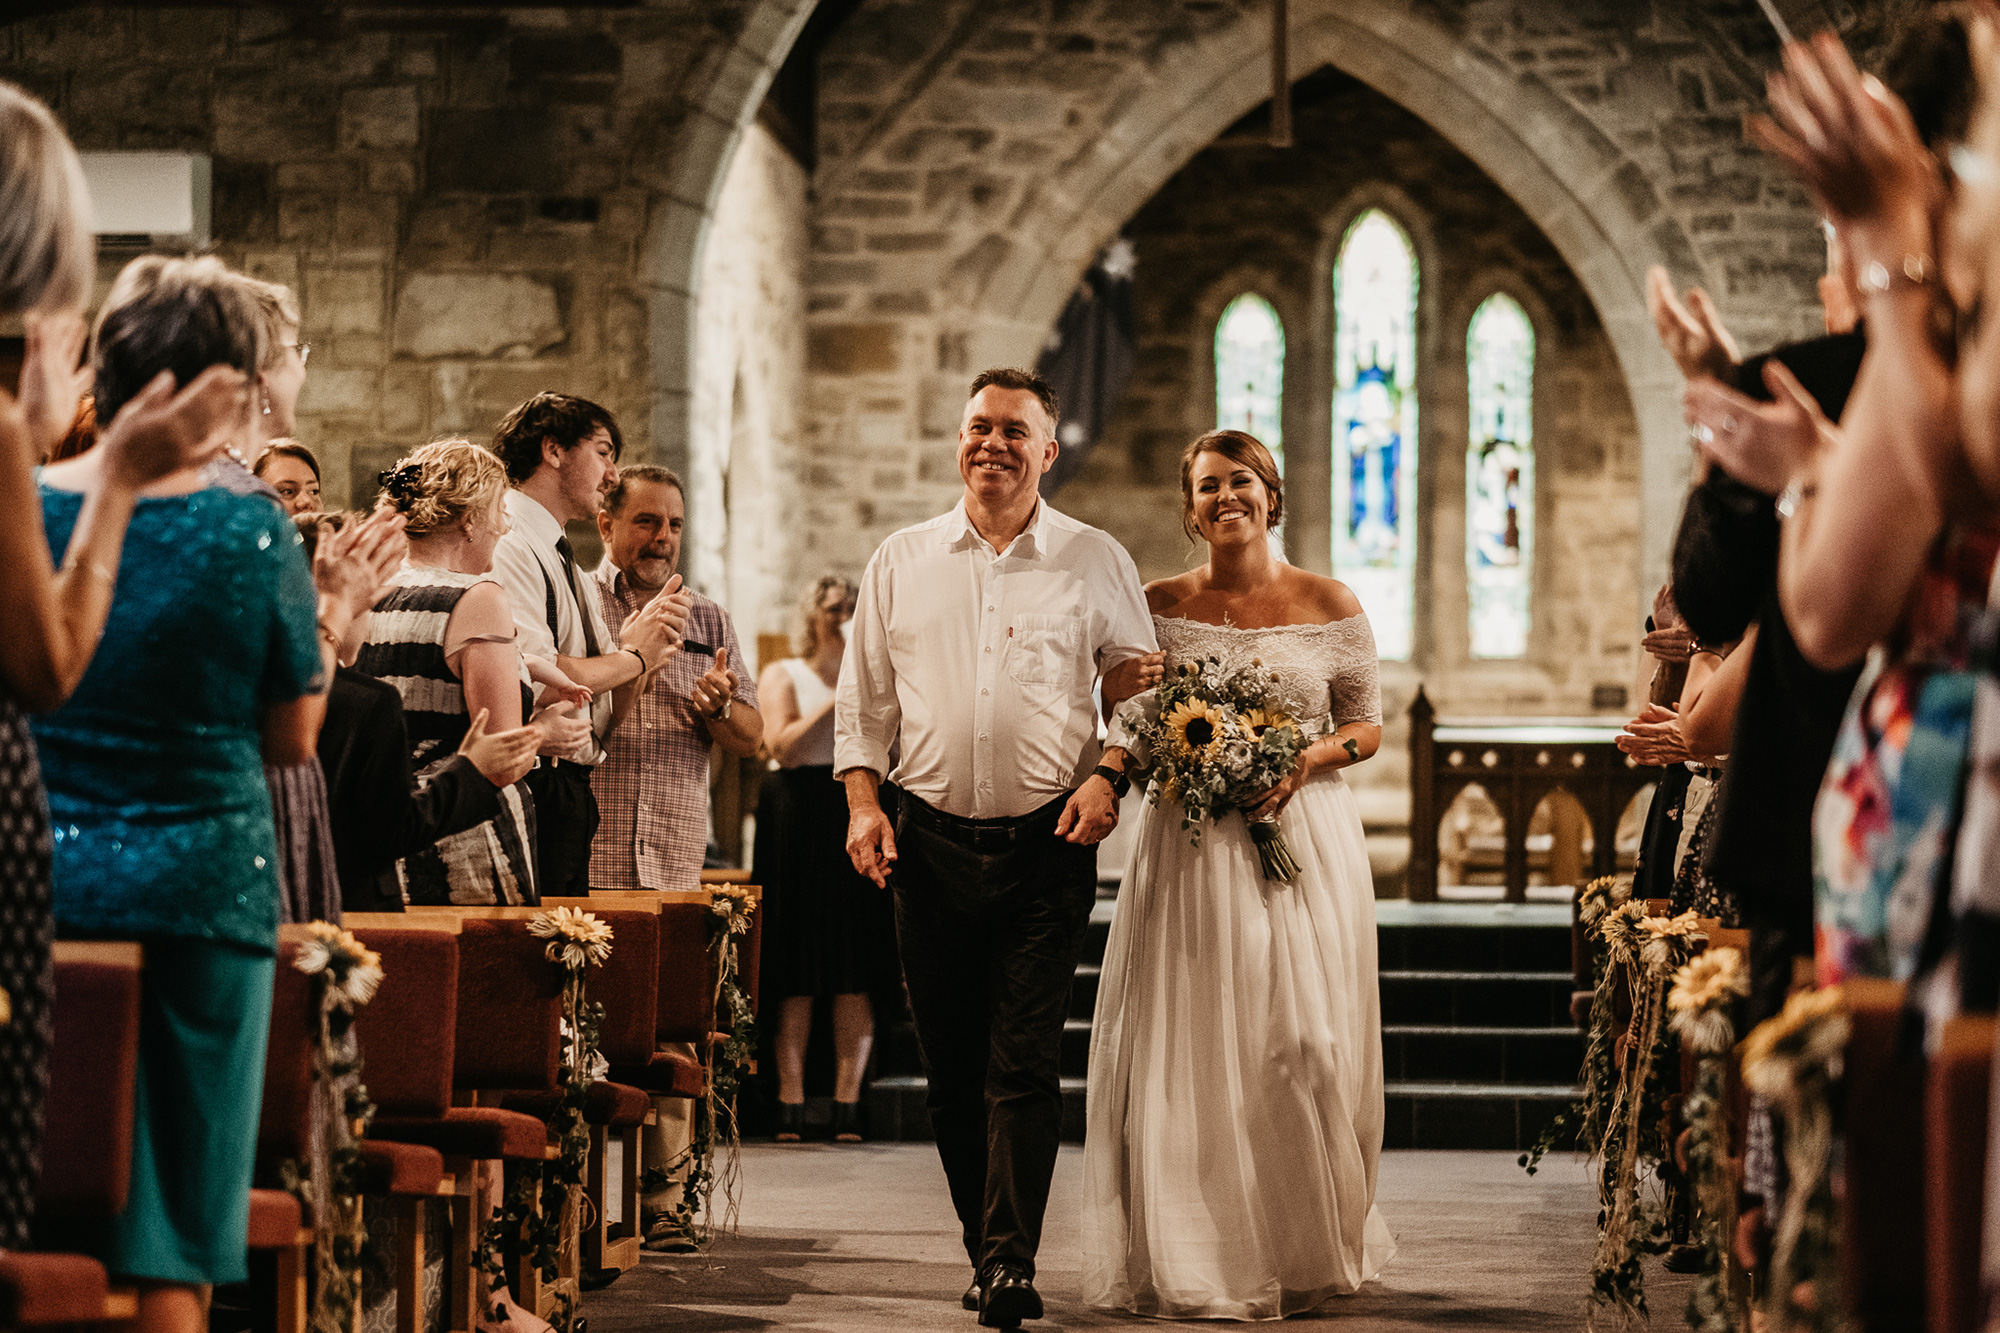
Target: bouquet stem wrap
point(1272, 852)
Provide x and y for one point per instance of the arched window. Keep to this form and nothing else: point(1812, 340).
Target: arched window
point(1250, 372)
point(1500, 477)
point(1375, 425)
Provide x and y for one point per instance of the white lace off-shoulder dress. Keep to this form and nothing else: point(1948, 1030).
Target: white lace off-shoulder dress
point(1235, 1109)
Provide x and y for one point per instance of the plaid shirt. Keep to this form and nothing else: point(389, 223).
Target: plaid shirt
point(652, 788)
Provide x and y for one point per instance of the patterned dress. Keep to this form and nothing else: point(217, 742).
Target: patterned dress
point(26, 927)
point(492, 862)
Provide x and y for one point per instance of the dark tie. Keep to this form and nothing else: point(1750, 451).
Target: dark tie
point(568, 554)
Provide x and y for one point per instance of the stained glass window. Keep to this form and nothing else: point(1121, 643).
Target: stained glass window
point(1500, 477)
point(1375, 425)
point(1250, 372)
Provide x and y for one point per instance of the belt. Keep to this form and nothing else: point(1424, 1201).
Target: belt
point(985, 835)
point(569, 766)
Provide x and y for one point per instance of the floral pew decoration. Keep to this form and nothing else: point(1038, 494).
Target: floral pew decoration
point(344, 975)
point(727, 1059)
point(1619, 1116)
point(543, 1212)
point(1700, 1007)
point(1794, 1062)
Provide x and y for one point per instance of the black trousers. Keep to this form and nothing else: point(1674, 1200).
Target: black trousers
point(990, 915)
point(565, 822)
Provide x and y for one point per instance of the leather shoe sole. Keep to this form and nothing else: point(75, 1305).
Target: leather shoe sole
point(1007, 1301)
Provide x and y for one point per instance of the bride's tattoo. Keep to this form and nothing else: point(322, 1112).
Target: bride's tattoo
point(1353, 750)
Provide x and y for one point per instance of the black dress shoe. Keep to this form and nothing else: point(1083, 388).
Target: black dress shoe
point(1007, 1297)
point(971, 1298)
point(791, 1123)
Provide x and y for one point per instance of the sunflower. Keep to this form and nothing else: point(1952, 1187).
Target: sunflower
point(1260, 720)
point(1195, 723)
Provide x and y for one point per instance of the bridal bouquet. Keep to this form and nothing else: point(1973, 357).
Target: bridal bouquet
point(1213, 736)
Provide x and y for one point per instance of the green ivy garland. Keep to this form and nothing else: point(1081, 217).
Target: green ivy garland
point(344, 977)
point(533, 1212)
point(728, 1062)
point(1700, 1003)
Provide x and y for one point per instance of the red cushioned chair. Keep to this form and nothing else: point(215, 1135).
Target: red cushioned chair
point(1956, 1099)
point(1882, 1208)
point(87, 1154)
point(508, 1003)
point(628, 988)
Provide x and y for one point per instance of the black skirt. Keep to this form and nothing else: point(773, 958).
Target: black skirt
point(827, 929)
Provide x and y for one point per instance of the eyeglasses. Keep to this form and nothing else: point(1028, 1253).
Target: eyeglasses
point(303, 349)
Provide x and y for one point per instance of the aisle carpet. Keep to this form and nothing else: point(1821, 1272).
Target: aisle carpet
point(849, 1239)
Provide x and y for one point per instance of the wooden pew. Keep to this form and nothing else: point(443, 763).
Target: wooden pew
point(1882, 1225)
point(628, 988)
point(87, 1153)
point(508, 1042)
point(406, 1035)
point(1957, 1093)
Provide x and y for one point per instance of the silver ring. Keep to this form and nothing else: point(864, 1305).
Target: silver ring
point(1704, 435)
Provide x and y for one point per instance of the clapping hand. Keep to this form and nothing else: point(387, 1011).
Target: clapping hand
point(53, 378)
point(1692, 333)
point(354, 566)
point(503, 757)
point(655, 633)
point(555, 682)
point(714, 688)
point(161, 430)
point(562, 727)
point(1853, 144)
point(1653, 738)
point(1762, 445)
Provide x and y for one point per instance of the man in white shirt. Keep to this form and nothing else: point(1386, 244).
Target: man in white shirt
point(561, 455)
point(976, 641)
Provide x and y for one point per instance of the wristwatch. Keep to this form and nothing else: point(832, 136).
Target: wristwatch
point(1120, 782)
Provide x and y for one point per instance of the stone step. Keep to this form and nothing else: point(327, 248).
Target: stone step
point(1476, 999)
point(895, 1109)
point(1083, 992)
point(1423, 1114)
point(1514, 1056)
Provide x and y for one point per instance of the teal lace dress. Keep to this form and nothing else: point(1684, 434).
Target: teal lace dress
point(163, 834)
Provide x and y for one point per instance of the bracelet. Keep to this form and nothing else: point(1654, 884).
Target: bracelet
point(1877, 277)
point(1788, 499)
point(644, 666)
point(332, 639)
point(80, 565)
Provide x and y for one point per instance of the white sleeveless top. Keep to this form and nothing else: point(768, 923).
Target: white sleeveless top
point(816, 746)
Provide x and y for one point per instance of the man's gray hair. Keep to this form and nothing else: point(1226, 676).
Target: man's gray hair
point(614, 501)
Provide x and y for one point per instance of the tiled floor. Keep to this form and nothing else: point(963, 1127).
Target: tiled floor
point(844, 1240)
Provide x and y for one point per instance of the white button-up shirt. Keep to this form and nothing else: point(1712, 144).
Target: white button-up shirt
point(983, 665)
point(527, 565)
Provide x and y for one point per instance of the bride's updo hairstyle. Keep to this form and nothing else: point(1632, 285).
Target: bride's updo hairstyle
point(440, 484)
point(1242, 449)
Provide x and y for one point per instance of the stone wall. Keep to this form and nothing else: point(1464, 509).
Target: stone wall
point(975, 156)
point(1245, 217)
point(749, 384)
point(473, 204)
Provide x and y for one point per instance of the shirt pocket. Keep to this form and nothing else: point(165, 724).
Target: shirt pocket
point(1043, 650)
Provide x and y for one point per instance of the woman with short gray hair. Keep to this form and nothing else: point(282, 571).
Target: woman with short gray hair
point(55, 614)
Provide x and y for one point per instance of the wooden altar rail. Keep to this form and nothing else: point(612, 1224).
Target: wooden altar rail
point(1517, 763)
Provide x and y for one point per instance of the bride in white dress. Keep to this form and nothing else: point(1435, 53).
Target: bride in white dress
point(1235, 1109)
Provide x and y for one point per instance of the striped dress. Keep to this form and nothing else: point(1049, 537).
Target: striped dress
point(493, 862)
